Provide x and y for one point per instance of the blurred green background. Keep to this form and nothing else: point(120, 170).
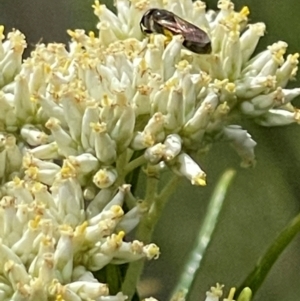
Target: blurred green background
point(261, 200)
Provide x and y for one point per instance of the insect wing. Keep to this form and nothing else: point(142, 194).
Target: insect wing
point(169, 21)
point(195, 39)
point(190, 31)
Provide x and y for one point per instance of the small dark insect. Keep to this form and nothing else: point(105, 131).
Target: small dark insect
point(165, 22)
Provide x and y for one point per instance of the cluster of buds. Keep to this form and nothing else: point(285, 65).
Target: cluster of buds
point(73, 118)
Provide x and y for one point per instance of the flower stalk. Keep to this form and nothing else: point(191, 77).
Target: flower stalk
point(155, 204)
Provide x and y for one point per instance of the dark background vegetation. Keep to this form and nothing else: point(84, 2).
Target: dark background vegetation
point(261, 200)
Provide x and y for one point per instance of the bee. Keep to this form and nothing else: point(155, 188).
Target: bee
point(165, 22)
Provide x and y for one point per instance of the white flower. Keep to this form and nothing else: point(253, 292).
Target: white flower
point(76, 120)
point(49, 233)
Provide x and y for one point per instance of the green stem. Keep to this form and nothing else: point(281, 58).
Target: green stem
point(265, 263)
point(146, 228)
point(193, 262)
point(132, 177)
point(148, 224)
point(134, 164)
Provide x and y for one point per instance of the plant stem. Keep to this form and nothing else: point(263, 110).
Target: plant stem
point(148, 224)
point(205, 234)
point(146, 228)
point(134, 164)
point(265, 263)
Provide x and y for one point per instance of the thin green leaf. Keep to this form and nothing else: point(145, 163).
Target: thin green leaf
point(204, 237)
point(265, 263)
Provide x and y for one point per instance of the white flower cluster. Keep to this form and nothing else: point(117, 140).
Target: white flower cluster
point(215, 294)
point(50, 246)
point(72, 121)
point(197, 94)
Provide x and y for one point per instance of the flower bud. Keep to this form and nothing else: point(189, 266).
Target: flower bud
point(105, 177)
point(184, 165)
